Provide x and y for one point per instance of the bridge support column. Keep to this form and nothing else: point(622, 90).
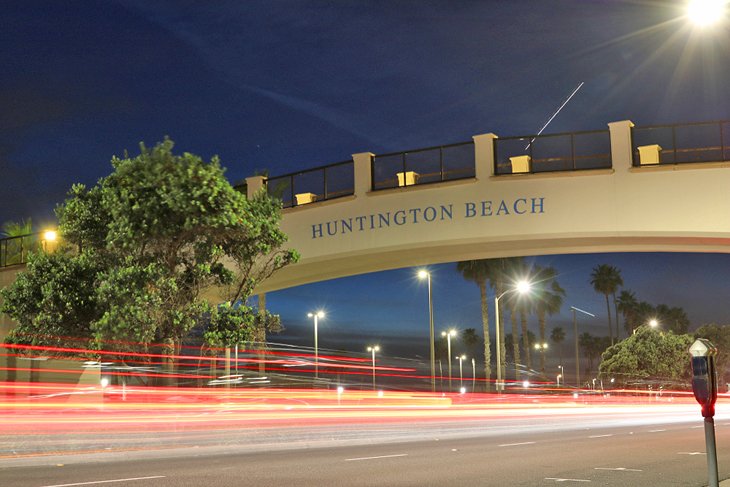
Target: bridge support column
point(621, 150)
point(363, 172)
point(484, 156)
point(254, 184)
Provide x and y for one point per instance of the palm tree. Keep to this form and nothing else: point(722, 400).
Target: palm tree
point(558, 336)
point(627, 305)
point(548, 300)
point(606, 280)
point(480, 272)
point(470, 339)
point(16, 247)
point(17, 229)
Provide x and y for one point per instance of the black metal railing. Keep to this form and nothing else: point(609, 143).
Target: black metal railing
point(681, 143)
point(14, 250)
point(318, 184)
point(574, 151)
point(423, 166)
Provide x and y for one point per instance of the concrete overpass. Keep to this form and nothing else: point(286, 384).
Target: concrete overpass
point(631, 189)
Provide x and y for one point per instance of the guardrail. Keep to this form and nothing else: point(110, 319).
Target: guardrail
point(423, 166)
point(14, 250)
point(573, 151)
point(318, 184)
point(681, 143)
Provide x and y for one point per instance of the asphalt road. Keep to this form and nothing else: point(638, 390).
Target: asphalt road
point(584, 449)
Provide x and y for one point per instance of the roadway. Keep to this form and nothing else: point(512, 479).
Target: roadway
point(601, 447)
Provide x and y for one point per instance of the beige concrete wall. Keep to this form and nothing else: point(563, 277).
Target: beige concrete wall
point(656, 208)
point(7, 277)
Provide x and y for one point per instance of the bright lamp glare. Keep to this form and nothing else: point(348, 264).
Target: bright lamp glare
point(705, 12)
point(422, 274)
point(523, 287)
point(50, 236)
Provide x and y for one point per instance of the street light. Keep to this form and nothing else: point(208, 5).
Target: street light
point(542, 347)
point(653, 323)
point(49, 239)
point(561, 375)
point(706, 12)
point(473, 373)
point(575, 332)
point(461, 358)
point(316, 315)
point(423, 274)
point(448, 335)
point(373, 349)
point(522, 287)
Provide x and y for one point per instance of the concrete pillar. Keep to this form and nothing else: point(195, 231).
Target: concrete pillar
point(484, 155)
point(254, 184)
point(621, 150)
point(363, 172)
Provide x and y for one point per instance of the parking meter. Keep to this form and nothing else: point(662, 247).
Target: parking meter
point(704, 377)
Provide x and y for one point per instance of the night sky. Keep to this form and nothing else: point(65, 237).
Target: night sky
point(289, 85)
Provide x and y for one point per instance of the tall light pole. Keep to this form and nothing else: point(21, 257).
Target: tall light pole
point(577, 352)
point(473, 373)
point(542, 347)
point(373, 349)
point(316, 315)
point(561, 375)
point(427, 275)
point(461, 372)
point(448, 335)
point(522, 287)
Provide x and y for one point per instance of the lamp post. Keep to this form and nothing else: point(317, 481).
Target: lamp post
point(316, 315)
point(373, 349)
point(541, 347)
point(448, 335)
point(427, 275)
point(473, 373)
point(522, 287)
point(461, 358)
point(561, 375)
point(575, 332)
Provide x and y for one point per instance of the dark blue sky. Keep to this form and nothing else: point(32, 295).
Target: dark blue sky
point(287, 85)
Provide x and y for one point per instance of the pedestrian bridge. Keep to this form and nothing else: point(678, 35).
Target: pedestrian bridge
point(623, 189)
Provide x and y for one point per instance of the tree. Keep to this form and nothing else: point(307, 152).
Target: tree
point(16, 248)
point(719, 335)
point(674, 319)
point(557, 336)
point(548, 296)
point(593, 347)
point(648, 355)
point(479, 272)
point(628, 306)
point(606, 280)
point(470, 339)
point(151, 238)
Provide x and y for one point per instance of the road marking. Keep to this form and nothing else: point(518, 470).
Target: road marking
point(566, 480)
point(690, 453)
point(702, 426)
point(619, 469)
point(375, 458)
point(656, 431)
point(599, 436)
point(108, 481)
point(518, 444)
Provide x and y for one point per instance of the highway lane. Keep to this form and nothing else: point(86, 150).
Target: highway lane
point(589, 448)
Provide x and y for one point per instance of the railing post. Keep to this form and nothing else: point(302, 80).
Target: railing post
point(484, 160)
point(253, 185)
point(621, 150)
point(363, 172)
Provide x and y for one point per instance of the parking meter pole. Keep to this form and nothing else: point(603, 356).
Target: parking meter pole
point(711, 452)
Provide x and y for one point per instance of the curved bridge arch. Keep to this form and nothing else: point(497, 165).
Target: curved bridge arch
point(629, 206)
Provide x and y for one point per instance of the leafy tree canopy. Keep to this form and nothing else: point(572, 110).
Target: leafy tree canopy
point(720, 337)
point(139, 250)
point(648, 355)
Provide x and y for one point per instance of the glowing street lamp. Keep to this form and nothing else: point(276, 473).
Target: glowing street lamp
point(448, 335)
point(316, 315)
point(49, 239)
point(575, 332)
point(653, 323)
point(423, 274)
point(473, 373)
point(461, 358)
point(522, 288)
point(561, 375)
point(704, 13)
point(373, 349)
